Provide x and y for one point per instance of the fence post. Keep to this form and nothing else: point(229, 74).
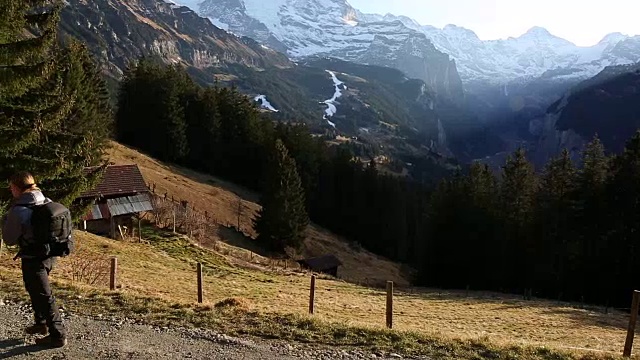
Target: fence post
point(390, 304)
point(635, 304)
point(199, 283)
point(174, 219)
point(312, 294)
point(139, 230)
point(114, 271)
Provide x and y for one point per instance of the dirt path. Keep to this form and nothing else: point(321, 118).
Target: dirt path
point(124, 339)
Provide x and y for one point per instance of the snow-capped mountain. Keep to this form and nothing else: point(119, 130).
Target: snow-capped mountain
point(304, 28)
point(333, 27)
point(530, 55)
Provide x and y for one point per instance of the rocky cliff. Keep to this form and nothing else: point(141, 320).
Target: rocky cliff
point(119, 31)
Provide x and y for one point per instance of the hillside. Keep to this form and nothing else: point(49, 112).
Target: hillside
point(157, 286)
point(606, 105)
point(118, 32)
point(220, 199)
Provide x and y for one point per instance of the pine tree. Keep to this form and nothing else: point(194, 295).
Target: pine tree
point(283, 219)
point(203, 127)
point(592, 220)
point(624, 217)
point(447, 233)
point(556, 247)
point(517, 199)
point(52, 119)
point(481, 224)
point(27, 44)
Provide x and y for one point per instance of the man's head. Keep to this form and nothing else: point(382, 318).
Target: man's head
point(21, 182)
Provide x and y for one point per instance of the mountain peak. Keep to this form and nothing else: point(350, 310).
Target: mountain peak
point(537, 31)
point(455, 29)
point(612, 38)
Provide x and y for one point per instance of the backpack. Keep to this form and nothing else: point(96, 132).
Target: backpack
point(51, 224)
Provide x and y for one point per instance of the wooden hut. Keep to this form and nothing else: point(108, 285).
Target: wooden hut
point(121, 195)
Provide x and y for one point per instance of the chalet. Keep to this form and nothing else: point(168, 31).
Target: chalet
point(121, 194)
point(327, 264)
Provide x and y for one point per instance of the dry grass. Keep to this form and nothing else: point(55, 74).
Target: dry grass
point(158, 283)
point(220, 198)
point(165, 271)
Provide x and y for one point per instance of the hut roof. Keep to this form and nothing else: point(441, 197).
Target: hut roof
point(118, 180)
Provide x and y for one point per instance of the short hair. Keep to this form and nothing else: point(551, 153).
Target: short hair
point(23, 180)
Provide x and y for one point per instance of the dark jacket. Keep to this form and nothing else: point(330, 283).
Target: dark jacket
point(16, 225)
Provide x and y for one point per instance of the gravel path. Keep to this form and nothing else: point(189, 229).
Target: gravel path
point(124, 339)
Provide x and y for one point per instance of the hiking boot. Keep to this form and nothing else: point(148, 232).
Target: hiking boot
point(50, 341)
point(37, 329)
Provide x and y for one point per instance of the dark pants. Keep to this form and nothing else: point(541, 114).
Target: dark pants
point(35, 274)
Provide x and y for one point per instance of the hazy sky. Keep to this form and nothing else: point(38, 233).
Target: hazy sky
point(584, 22)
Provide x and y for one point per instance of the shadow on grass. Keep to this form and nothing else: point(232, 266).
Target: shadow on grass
point(585, 315)
point(233, 237)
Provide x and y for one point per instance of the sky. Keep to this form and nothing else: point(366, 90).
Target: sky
point(583, 22)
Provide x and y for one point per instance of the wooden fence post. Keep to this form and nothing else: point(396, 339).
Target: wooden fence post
point(199, 283)
point(114, 271)
point(139, 230)
point(390, 304)
point(631, 330)
point(312, 294)
point(174, 220)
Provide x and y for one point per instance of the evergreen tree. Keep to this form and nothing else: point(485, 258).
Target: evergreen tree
point(517, 200)
point(47, 123)
point(203, 127)
point(152, 101)
point(592, 219)
point(556, 255)
point(447, 234)
point(283, 219)
point(624, 217)
point(27, 45)
point(482, 190)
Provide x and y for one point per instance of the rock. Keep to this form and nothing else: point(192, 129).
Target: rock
point(395, 356)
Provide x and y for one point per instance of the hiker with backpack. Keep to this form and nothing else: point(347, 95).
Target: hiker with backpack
point(42, 230)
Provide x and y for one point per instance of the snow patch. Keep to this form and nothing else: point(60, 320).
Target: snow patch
point(267, 12)
point(265, 104)
point(219, 24)
point(192, 4)
point(331, 103)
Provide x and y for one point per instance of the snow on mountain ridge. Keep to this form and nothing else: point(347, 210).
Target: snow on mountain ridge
point(333, 27)
point(529, 55)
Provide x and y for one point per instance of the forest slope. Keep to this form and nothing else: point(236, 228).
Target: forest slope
point(220, 199)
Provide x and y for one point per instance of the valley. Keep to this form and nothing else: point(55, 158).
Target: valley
point(483, 98)
point(495, 183)
point(267, 305)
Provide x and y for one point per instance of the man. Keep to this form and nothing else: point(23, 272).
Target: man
point(17, 230)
